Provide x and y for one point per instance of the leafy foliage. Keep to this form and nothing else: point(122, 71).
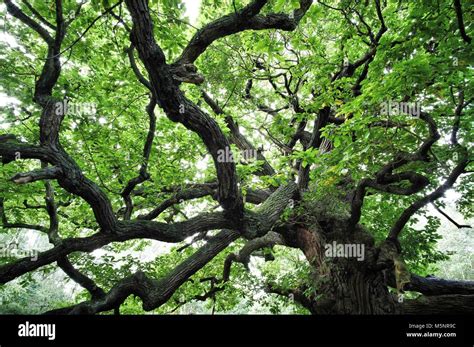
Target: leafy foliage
point(421, 55)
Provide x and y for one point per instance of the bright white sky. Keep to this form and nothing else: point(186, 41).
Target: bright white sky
point(192, 9)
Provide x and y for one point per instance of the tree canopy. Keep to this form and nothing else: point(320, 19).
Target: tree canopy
point(166, 163)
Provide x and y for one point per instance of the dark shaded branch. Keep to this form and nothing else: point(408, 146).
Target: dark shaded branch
point(386, 180)
point(438, 286)
point(195, 191)
point(383, 27)
point(256, 196)
point(120, 19)
point(349, 69)
point(459, 226)
point(210, 294)
point(126, 230)
point(269, 240)
point(81, 279)
point(77, 12)
point(25, 226)
point(91, 24)
point(314, 142)
point(180, 109)
point(154, 292)
point(74, 181)
point(16, 12)
point(459, 15)
point(436, 194)
point(245, 19)
point(38, 15)
point(45, 83)
point(143, 173)
point(37, 175)
point(136, 70)
point(51, 209)
point(71, 179)
point(357, 87)
point(7, 225)
point(12, 149)
point(236, 137)
point(180, 196)
point(266, 215)
point(457, 117)
point(293, 294)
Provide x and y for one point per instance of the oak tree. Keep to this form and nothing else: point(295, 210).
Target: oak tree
point(354, 118)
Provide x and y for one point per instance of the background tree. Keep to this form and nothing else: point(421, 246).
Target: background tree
point(357, 114)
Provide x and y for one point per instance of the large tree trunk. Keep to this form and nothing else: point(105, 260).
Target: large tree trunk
point(350, 288)
point(345, 285)
point(361, 286)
